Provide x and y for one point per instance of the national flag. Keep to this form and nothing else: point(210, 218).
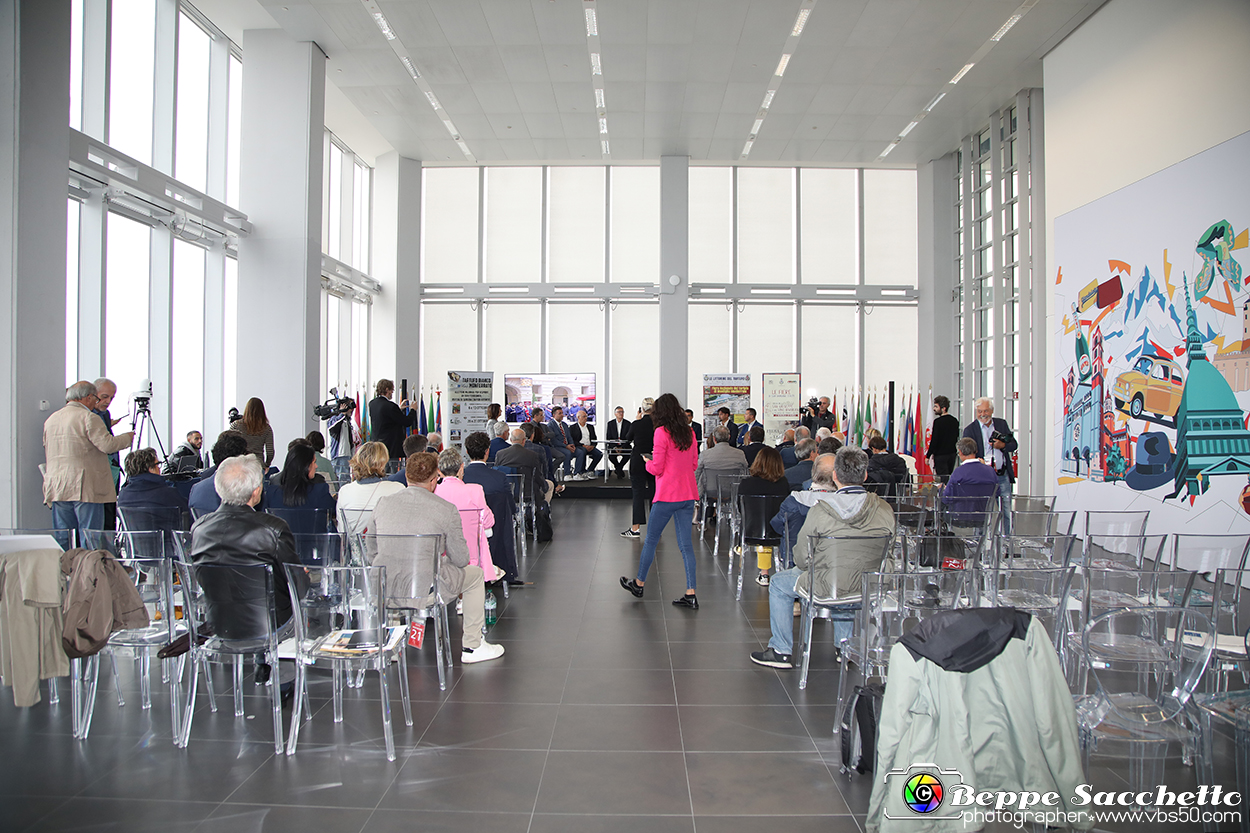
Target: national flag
point(438, 417)
point(433, 425)
point(422, 428)
point(357, 416)
point(834, 411)
point(917, 442)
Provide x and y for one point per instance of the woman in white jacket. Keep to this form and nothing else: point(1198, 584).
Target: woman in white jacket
point(368, 486)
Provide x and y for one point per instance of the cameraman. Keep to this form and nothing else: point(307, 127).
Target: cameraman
point(387, 420)
point(344, 436)
point(818, 416)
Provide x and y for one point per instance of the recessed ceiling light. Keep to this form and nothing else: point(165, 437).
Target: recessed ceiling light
point(603, 125)
point(599, 98)
point(747, 147)
point(595, 67)
point(929, 107)
point(800, 22)
point(592, 26)
point(781, 65)
point(909, 128)
point(1011, 21)
point(755, 128)
point(768, 98)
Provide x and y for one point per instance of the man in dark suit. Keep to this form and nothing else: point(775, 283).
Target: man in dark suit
point(727, 422)
point(995, 445)
point(500, 500)
point(806, 452)
point(498, 442)
point(786, 448)
point(755, 441)
point(618, 442)
point(387, 420)
point(697, 428)
point(413, 444)
point(744, 430)
point(528, 463)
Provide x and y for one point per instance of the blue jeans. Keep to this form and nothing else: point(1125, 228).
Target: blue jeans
point(661, 513)
point(1004, 502)
point(781, 599)
point(77, 515)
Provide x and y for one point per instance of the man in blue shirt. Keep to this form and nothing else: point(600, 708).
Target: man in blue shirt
point(971, 487)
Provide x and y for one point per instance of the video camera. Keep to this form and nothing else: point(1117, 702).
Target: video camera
point(142, 397)
point(813, 404)
point(334, 406)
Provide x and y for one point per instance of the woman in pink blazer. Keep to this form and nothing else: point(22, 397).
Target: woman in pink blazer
point(475, 515)
point(673, 463)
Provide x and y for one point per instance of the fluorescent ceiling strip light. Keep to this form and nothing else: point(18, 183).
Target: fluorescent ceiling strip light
point(599, 98)
point(755, 128)
point(929, 107)
point(573, 288)
point(836, 291)
point(800, 22)
point(408, 65)
point(595, 67)
point(888, 148)
point(1011, 21)
point(634, 288)
point(603, 125)
point(592, 26)
point(960, 75)
point(710, 290)
point(604, 144)
point(909, 128)
point(781, 65)
point(895, 292)
point(443, 290)
point(747, 147)
point(507, 289)
point(756, 290)
point(768, 98)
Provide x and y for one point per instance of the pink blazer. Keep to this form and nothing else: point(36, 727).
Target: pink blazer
point(475, 518)
point(673, 469)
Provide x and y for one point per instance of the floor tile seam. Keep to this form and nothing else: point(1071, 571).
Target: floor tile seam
point(58, 806)
point(550, 742)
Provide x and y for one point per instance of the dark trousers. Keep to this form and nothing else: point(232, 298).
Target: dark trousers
point(643, 484)
point(943, 465)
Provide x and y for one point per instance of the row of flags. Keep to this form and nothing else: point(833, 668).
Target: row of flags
point(427, 421)
point(863, 412)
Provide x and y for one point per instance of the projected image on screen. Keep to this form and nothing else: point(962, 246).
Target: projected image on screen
point(525, 392)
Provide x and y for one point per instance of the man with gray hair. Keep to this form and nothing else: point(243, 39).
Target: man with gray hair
point(498, 442)
point(77, 481)
point(837, 565)
point(805, 452)
point(237, 535)
point(721, 459)
point(995, 445)
point(786, 448)
point(528, 463)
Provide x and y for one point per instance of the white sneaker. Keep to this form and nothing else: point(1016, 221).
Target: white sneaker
point(482, 653)
point(459, 607)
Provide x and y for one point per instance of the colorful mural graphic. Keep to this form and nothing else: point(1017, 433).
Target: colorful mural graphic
point(1152, 343)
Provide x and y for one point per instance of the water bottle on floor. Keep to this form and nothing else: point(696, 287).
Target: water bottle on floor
point(492, 608)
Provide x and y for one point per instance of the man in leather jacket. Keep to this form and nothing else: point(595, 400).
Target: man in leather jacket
point(236, 534)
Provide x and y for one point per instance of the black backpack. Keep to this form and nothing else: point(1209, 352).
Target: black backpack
point(859, 727)
point(543, 520)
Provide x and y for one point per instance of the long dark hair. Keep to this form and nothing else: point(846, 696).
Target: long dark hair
point(294, 477)
point(493, 411)
point(254, 419)
point(669, 414)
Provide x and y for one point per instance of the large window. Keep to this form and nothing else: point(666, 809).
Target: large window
point(575, 212)
point(126, 316)
point(449, 213)
point(187, 394)
point(71, 293)
point(132, 77)
point(514, 221)
point(191, 130)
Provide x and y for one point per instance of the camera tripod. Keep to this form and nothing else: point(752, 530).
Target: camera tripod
point(143, 420)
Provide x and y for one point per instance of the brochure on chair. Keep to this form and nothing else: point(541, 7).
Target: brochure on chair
point(359, 642)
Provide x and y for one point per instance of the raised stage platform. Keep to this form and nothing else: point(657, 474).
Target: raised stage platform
point(598, 489)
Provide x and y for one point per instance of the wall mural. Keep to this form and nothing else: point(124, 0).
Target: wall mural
point(1152, 346)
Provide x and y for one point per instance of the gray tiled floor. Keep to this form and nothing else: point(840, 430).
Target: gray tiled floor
point(606, 714)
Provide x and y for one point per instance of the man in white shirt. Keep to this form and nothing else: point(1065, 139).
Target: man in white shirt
point(995, 445)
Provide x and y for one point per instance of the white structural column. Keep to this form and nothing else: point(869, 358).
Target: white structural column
point(396, 330)
point(34, 149)
point(674, 353)
point(935, 338)
point(280, 169)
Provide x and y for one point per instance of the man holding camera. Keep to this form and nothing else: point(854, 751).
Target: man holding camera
point(387, 420)
point(818, 415)
point(995, 444)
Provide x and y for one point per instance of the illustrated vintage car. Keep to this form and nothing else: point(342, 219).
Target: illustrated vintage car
point(1154, 385)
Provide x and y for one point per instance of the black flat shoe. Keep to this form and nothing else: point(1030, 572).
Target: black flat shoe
point(632, 586)
point(689, 600)
point(261, 675)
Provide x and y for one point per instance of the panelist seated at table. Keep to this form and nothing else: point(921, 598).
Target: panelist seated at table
point(585, 444)
point(618, 437)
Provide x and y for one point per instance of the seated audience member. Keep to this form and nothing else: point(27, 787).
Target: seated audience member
point(971, 486)
point(786, 448)
point(837, 565)
point(325, 469)
point(204, 497)
point(434, 442)
point(805, 452)
point(534, 434)
point(697, 428)
point(829, 445)
point(146, 489)
point(789, 518)
point(413, 444)
point(585, 444)
point(755, 441)
point(885, 469)
point(802, 433)
point(768, 477)
point(475, 516)
point(418, 511)
point(297, 487)
point(499, 497)
point(721, 458)
point(369, 485)
point(618, 441)
point(498, 442)
point(521, 456)
point(237, 535)
point(822, 434)
point(494, 416)
point(744, 430)
point(186, 458)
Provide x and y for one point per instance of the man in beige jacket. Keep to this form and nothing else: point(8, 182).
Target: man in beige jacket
point(78, 482)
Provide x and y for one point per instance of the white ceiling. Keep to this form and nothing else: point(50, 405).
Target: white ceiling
point(683, 77)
